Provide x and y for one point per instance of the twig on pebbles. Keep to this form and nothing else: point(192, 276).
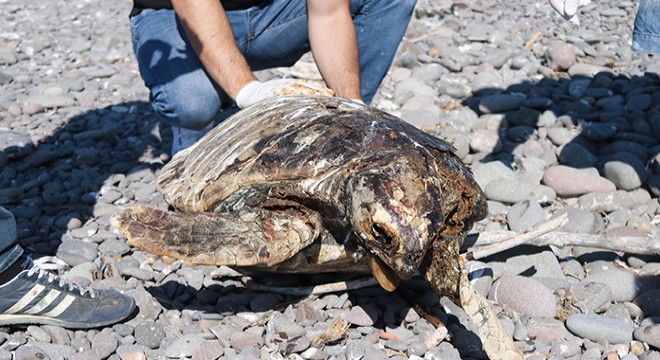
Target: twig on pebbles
point(487, 244)
point(314, 290)
point(335, 332)
point(536, 231)
point(532, 40)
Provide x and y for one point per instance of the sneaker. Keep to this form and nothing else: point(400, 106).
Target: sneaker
point(36, 296)
point(183, 138)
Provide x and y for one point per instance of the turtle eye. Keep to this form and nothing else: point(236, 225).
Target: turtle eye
point(380, 234)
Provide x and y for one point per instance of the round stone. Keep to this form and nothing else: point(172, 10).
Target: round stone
point(524, 295)
point(600, 328)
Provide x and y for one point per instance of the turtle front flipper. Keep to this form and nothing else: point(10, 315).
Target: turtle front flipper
point(244, 238)
point(445, 271)
point(496, 341)
point(441, 268)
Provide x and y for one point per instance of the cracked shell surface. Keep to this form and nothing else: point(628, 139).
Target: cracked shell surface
point(313, 184)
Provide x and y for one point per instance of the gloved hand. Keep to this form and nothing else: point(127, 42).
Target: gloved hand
point(568, 8)
point(256, 91)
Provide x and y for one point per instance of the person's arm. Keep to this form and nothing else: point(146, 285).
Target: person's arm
point(209, 31)
point(334, 45)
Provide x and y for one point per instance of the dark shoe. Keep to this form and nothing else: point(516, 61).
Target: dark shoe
point(36, 296)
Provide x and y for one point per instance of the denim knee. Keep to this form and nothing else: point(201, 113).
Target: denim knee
point(405, 6)
point(193, 106)
point(397, 7)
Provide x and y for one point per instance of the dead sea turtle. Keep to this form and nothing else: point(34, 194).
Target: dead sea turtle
point(315, 184)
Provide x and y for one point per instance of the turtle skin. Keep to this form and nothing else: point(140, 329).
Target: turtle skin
point(314, 184)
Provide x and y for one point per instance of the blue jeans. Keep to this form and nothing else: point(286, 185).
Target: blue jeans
point(269, 36)
point(10, 251)
point(646, 36)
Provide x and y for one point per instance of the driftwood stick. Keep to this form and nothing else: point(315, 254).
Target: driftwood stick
point(335, 332)
point(488, 243)
point(628, 244)
point(314, 290)
point(527, 236)
point(532, 40)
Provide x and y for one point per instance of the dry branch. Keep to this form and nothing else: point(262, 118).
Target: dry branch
point(478, 252)
point(485, 244)
point(335, 332)
point(314, 290)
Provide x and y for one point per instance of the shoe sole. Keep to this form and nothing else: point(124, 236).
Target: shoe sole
point(17, 319)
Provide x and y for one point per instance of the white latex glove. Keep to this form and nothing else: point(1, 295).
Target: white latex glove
point(568, 8)
point(256, 91)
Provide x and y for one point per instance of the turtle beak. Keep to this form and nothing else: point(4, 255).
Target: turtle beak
point(384, 274)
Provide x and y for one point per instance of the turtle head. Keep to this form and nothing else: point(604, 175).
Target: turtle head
point(395, 210)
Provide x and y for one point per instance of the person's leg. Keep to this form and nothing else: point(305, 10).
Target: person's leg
point(646, 36)
point(10, 251)
point(380, 26)
point(278, 36)
point(271, 35)
point(180, 90)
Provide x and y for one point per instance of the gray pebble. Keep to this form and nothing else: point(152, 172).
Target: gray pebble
point(361, 315)
point(600, 328)
point(80, 344)
point(526, 296)
point(52, 101)
point(138, 273)
point(28, 352)
point(82, 249)
point(649, 334)
point(114, 248)
point(58, 335)
point(589, 297)
point(565, 349)
point(519, 332)
point(608, 202)
point(149, 334)
point(57, 351)
point(296, 345)
point(513, 191)
point(625, 170)
point(185, 346)
point(540, 265)
point(487, 172)
point(242, 340)
point(103, 345)
point(38, 334)
point(524, 215)
point(624, 285)
point(579, 221)
point(561, 136)
point(123, 329)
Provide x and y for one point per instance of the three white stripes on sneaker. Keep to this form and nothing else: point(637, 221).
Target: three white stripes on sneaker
point(43, 303)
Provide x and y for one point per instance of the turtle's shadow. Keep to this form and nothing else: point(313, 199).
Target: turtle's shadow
point(55, 178)
point(387, 310)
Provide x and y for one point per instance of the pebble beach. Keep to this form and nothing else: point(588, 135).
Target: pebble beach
point(554, 119)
